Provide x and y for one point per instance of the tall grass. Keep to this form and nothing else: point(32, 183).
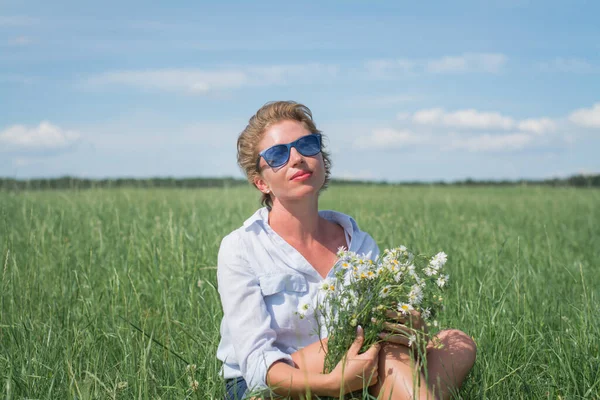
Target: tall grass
point(112, 293)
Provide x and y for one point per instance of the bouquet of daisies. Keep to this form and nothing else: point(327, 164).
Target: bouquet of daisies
point(364, 291)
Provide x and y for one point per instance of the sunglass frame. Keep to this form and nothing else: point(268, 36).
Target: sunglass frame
point(289, 146)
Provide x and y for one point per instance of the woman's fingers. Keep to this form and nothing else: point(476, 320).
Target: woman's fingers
point(395, 315)
point(394, 338)
point(358, 342)
point(397, 333)
point(373, 351)
point(413, 319)
point(416, 321)
point(371, 360)
point(397, 328)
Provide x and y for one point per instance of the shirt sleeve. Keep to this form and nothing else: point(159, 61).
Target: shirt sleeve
point(369, 247)
point(246, 315)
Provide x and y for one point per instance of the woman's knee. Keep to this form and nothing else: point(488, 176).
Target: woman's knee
point(457, 344)
point(395, 352)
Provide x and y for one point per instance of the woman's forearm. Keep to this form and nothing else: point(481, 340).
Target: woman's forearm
point(286, 380)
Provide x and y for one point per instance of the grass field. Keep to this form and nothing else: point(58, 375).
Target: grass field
point(96, 285)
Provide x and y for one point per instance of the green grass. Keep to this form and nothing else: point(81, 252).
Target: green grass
point(84, 273)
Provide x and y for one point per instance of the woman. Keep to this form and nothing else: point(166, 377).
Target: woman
point(277, 260)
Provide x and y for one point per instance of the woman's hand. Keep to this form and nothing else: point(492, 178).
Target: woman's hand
point(356, 371)
point(406, 330)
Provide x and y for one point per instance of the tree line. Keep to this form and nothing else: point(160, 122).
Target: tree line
point(68, 182)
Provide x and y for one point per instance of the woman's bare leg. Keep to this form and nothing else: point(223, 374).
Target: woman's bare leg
point(450, 356)
point(399, 375)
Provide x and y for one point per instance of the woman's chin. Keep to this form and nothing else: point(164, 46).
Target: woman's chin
point(306, 192)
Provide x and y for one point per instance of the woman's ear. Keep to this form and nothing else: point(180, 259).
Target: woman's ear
point(261, 184)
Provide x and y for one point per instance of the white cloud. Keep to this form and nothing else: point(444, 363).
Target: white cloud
point(431, 116)
point(147, 131)
point(586, 117)
point(20, 162)
point(43, 137)
point(379, 101)
point(571, 65)
point(191, 81)
point(468, 62)
point(197, 81)
point(16, 20)
point(19, 41)
point(388, 138)
point(403, 116)
point(13, 78)
point(465, 63)
point(360, 175)
point(382, 68)
point(537, 126)
point(588, 171)
point(491, 143)
point(393, 139)
point(467, 119)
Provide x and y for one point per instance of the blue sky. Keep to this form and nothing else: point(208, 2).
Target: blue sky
point(403, 91)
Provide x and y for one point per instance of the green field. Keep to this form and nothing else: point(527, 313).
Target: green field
point(111, 293)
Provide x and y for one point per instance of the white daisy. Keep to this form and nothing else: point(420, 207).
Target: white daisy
point(385, 291)
point(438, 261)
point(426, 313)
point(442, 280)
point(405, 308)
point(345, 265)
point(398, 277)
point(411, 340)
point(303, 308)
point(416, 294)
point(327, 285)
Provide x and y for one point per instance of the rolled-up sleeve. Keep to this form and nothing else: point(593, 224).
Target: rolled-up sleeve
point(245, 314)
point(369, 247)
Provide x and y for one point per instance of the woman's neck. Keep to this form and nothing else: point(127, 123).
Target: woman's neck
point(298, 221)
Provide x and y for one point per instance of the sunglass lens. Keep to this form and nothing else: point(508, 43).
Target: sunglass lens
point(309, 145)
point(277, 156)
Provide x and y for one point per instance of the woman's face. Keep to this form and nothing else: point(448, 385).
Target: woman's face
point(280, 181)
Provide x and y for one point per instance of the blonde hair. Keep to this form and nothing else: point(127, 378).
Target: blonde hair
point(268, 115)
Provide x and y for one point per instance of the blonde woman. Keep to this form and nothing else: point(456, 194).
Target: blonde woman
point(276, 261)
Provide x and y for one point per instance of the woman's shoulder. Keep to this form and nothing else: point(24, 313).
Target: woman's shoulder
point(346, 221)
point(239, 239)
point(361, 241)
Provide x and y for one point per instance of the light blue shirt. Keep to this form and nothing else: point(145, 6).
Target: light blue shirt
point(262, 280)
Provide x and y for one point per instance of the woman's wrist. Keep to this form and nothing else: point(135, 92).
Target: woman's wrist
point(288, 381)
point(331, 384)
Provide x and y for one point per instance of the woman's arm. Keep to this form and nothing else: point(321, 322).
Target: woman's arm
point(289, 381)
point(245, 315)
point(263, 365)
point(353, 373)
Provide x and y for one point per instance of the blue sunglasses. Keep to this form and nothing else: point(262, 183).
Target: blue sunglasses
point(279, 155)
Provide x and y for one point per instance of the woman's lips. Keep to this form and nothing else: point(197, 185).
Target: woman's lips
point(302, 177)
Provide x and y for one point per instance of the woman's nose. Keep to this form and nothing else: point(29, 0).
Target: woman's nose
point(295, 157)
